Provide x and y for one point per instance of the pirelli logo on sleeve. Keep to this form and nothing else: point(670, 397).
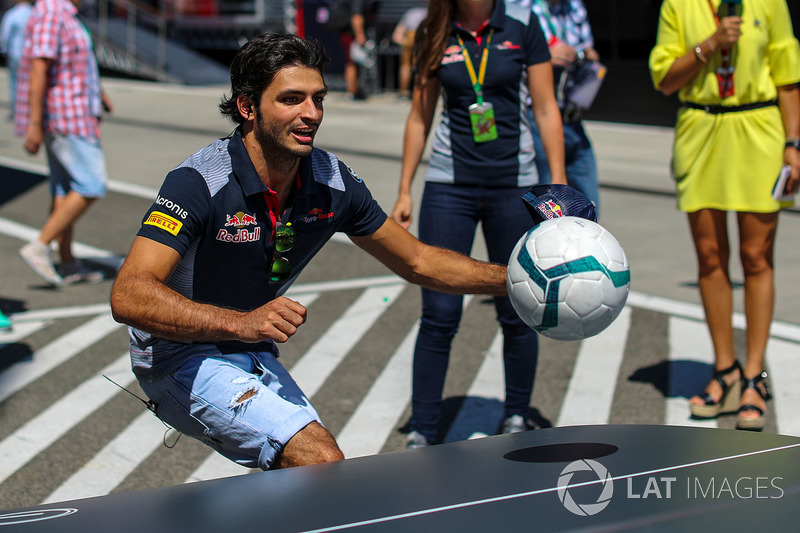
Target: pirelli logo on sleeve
point(164, 221)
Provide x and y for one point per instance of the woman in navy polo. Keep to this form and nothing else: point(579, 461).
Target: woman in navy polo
point(489, 60)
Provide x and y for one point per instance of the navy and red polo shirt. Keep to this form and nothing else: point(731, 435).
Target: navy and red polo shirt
point(215, 211)
point(517, 43)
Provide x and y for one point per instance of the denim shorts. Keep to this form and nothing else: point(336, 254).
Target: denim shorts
point(77, 164)
point(245, 406)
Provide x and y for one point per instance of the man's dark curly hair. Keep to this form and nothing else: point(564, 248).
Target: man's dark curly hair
point(256, 64)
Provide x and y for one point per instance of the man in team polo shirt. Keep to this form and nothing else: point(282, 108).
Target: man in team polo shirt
point(231, 228)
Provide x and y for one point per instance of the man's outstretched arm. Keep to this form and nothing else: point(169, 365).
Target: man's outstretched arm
point(430, 266)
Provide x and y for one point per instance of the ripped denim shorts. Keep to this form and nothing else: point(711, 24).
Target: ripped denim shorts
point(245, 406)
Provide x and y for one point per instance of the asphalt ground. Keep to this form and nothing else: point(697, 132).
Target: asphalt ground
point(155, 127)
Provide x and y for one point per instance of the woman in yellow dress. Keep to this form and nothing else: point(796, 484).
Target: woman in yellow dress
point(735, 66)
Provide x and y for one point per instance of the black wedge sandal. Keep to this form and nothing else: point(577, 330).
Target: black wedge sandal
point(757, 423)
point(727, 403)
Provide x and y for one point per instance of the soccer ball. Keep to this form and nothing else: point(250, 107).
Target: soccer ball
point(568, 278)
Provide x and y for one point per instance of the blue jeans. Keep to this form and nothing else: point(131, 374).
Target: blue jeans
point(579, 158)
point(448, 217)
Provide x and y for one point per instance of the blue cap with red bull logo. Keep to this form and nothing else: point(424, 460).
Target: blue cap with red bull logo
point(547, 201)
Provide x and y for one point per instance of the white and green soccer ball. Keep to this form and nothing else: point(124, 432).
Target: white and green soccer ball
point(568, 278)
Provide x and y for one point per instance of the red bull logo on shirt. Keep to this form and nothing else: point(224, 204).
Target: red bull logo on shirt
point(239, 221)
point(240, 236)
point(452, 55)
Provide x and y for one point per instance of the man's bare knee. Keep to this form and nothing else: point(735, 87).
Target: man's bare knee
point(312, 444)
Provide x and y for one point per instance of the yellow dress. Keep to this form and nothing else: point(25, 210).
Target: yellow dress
point(729, 161)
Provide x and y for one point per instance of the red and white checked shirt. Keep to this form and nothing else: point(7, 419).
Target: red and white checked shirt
point(73, 103)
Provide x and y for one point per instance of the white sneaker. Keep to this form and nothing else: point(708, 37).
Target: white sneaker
point(77, 272)
point(37, 255)
point(514, 424)
point(416, 440)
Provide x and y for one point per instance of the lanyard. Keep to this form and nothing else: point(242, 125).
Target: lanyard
point(477, 80)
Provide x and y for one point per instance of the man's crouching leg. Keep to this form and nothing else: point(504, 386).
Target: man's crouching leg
point(312, 444)
point(245, 406)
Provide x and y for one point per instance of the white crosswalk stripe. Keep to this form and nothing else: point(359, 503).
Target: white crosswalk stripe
point(376, 416)
point(40, 432)
point(689, 342)
point(216, 466)
point(47, 358)
point(379, 413)
point(114, 462)
point(782, 359)
point(588, 398)
point(594, 379)
point(323, 357)
point(482, 411)
point(21, 330)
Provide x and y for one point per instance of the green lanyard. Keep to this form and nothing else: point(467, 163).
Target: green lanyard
point(477, 80)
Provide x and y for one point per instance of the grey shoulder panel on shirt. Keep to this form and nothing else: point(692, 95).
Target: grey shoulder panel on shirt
point(214, 163)
point(518, 12)
point(325, 166)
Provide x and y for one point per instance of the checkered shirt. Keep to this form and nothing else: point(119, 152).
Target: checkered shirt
point(73, 103)
point(567, 21)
